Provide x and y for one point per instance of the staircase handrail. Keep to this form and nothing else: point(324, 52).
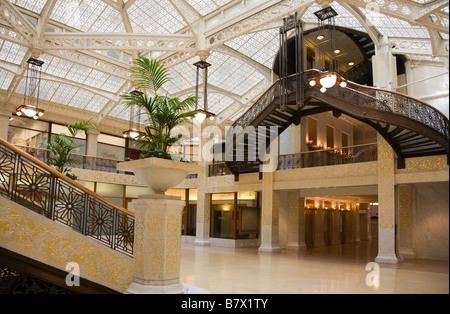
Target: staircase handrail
point(46, 193)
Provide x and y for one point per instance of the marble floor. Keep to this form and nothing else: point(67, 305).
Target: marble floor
point(337, 269)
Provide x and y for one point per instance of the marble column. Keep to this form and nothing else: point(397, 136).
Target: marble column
point(319, 237)
point(386, 204)
point(92, 142)
point(296, 229)
point(405, 237)
point(365, 222)
point(270, 216)
point(157, 245)
point(335, 221)
point(203, 225)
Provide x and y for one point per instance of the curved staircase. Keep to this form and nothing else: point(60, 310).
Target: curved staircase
point(412, 127)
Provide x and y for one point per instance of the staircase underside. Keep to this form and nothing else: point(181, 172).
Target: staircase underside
point(412, 128)
point(22, 275)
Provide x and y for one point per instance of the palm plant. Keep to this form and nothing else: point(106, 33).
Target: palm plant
point(163, 113)
point(62, 146)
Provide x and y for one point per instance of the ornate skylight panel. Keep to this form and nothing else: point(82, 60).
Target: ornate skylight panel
point(96, 104)
point(232, 74)
point(11, 52)
point(261, 46)
point(64, 94)
point(47, 89)
point(81, 99)
point(55, 66)
point(218, 102)
point(88, 15)
point(5, 79)
point(207, 6)
point(32, 5)
point(155, 17)
point(392, 27)
point(121, 112)
point(182, 77)
point(112, 83)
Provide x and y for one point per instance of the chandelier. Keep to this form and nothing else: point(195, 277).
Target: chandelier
point(203, 114)
point(29, 108)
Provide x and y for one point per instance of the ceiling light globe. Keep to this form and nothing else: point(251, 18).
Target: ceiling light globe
point(328, 81)
point(312, 83)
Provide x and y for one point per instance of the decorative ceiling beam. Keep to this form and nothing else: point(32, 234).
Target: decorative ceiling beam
point(17, 21)
point(236, 54)
point(43, 20)
point(189, 15)
point(415, 46)
point(226, 28)
point(114, 41)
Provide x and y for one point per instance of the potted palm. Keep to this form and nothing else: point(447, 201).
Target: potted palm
point(62, 146)
point(158, 168)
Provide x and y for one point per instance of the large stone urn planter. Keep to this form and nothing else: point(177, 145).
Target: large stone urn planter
point(159, 174)
point(157, 239)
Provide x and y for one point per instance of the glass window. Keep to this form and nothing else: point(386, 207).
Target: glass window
point(235, 215)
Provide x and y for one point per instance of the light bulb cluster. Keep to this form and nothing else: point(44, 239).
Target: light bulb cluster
point(29, 111)
point(327, 81)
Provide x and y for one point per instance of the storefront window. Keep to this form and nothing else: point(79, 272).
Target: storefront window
point(235, 215)
point(27, 132)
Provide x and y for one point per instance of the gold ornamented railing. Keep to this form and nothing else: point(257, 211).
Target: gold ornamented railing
point(33, 184)
point(329, 157)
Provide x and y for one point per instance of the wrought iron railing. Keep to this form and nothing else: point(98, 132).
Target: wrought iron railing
point(329, 157)
point(85, 162)
point(219, 169)
point(33, 184)
point(360, 95)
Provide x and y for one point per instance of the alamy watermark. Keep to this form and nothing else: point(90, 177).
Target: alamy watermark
point(373, 277)
point(73, 277)
point(235, 143)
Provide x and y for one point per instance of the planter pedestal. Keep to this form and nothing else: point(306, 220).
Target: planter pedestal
point(157, 245)
point(157, 234)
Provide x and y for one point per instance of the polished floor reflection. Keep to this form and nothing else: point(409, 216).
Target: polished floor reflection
point(328, 270)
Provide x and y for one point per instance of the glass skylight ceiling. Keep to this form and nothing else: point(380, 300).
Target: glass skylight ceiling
point(207, 6)
point(88, 15)
point(230, 74)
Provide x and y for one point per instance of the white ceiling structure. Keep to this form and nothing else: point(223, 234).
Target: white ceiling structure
point(88, 45)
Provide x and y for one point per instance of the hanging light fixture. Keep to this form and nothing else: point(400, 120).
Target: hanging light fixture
point(29, 107)
point(327, 80)
point(133, 133)
point(203, 114)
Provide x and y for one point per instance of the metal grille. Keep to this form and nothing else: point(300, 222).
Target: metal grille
point(329, 157)
point(27, 183)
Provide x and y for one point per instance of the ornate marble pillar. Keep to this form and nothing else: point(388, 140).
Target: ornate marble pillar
point(296, 224)
point(157, 245)
point(92, 142)
point(405, 236)
point(319, 219)
point(270, 216)
point(386, 204)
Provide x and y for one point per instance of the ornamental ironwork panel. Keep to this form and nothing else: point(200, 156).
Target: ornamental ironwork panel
point(25, 182)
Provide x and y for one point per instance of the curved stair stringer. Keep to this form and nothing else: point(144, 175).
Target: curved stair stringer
point(373, 117)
